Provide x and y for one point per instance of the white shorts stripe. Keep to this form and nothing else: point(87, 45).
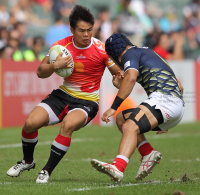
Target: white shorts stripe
point(60, 146)
point(30, 140)
point(81, 110)
point(53, 119)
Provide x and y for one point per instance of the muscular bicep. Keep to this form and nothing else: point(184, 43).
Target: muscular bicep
point(128, 83)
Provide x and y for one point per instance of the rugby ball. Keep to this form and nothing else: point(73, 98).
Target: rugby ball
point(53, 53)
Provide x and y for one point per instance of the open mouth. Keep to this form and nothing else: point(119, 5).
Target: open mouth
point(85, 40)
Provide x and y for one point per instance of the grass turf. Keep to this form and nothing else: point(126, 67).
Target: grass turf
point(178, 170)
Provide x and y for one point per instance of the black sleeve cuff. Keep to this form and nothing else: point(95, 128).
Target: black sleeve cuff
point(117, 102)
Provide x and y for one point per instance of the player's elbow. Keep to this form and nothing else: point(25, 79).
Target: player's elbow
point(38, 72)
point(131, 76)
point(131, 80)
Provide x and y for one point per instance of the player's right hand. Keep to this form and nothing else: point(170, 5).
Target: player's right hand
point(62, 62)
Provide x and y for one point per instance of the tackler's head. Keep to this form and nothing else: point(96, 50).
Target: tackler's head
point(115, 45)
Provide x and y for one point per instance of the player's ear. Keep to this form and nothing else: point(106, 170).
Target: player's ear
point(72, 30)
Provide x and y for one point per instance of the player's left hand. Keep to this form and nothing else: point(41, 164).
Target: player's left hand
point(160, 132)
point(107, 114)
point(117, 79)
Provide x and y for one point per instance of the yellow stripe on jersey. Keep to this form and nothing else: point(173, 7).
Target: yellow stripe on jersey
point(68, 44)
point(81, 95)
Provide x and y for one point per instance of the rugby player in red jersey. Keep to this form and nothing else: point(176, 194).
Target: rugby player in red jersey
point(75, 103)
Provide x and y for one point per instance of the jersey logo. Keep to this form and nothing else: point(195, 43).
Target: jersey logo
point(127, 64)
point(80, 56)
point(87, 108)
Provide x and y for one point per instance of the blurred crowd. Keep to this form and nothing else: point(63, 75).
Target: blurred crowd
point(29, 27)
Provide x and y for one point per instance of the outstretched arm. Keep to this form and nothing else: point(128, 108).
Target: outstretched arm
point(128, 83)
point(125, 89)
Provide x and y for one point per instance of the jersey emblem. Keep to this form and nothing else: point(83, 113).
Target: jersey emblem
point(87, 108)
point(80, 56)
point(127, 64)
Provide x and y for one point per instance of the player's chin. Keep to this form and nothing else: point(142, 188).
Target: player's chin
point(86, 42)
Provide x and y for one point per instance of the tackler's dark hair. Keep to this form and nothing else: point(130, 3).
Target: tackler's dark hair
point(115, 45)
point(80, 13)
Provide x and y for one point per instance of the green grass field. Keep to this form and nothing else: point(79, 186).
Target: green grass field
point(180, 149)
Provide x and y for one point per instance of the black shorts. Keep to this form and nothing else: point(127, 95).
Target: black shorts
point(61, 104)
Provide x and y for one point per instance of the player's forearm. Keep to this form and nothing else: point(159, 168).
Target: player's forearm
point(45, 70)
point(126, 87)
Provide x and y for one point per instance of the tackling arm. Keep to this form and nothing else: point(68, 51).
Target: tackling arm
point(125, 89)
point(128, 83)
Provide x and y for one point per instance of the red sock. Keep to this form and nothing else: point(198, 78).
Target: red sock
point(29, 135)
point(120, 164)
point(145, 149)
point(65, 141)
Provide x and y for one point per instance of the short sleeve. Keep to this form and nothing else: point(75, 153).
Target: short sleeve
point(101, 49)
point(109, 63)
point(130, 60)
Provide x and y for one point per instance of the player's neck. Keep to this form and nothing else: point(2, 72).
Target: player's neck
point(82, 46)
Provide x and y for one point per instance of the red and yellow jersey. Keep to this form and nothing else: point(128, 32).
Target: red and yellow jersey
point(89, 66)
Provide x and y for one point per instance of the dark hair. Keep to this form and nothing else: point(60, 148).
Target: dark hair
point(18, 24)
point(160, 35)
point(103, 9)
point(80, 13)
point(57, 17)
point(38, 38)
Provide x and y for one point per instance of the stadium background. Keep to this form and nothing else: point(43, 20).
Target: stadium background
point(29, 25)
point(20, 90)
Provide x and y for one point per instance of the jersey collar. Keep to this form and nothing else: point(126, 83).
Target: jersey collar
point(82, 47)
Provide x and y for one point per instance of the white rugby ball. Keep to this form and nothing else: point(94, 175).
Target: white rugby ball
point(53, 53)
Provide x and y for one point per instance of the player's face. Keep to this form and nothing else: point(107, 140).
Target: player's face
point(82, 33)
